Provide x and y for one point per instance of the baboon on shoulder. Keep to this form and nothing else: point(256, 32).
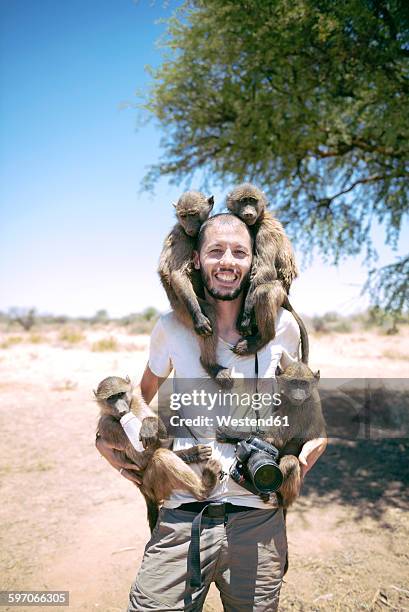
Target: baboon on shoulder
point(162, 470)
point(272, 272)
point(180, 280)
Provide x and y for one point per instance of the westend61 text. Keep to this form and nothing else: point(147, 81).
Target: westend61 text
point(207, 400)
point(228, 421)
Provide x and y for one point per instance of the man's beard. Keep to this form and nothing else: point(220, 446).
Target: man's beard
point(220, 295)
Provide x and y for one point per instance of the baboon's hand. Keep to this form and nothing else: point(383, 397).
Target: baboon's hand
point(245, 327)
point(195, 454)
point(230, 435)
point(202, 325)
point(248, 346)
point(149, 434)
point(224, 379)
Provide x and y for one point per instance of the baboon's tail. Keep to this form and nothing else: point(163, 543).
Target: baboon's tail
point(305, 344)
point(165, 464)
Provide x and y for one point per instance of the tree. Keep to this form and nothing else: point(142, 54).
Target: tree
point(27, 317)
point(309, 99)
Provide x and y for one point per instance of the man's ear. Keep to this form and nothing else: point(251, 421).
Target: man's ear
point(196, 260)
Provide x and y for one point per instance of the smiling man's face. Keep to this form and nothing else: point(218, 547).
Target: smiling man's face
point(225, 258)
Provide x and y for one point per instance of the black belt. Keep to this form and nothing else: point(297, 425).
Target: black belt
point(212, 510)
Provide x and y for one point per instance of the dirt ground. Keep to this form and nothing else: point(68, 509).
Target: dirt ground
point(70, 522)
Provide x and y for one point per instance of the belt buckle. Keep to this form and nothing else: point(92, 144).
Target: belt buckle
point(216, 510)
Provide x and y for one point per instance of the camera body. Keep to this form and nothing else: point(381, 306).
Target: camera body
point(256, 466)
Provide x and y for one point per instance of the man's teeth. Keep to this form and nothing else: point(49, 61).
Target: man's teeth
point(226, 277)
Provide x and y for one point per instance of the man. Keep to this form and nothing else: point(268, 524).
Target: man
point(243, 542)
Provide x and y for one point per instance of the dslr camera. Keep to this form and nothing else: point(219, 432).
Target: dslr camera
point(255, 466)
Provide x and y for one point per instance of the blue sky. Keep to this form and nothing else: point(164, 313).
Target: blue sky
point(71, 161)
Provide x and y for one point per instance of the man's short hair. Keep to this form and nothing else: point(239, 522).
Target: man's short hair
point(219, 219)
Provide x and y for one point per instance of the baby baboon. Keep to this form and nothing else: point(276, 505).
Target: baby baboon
point(272, 272)
point(163, 470)
point(179, 280)
point(301, 404)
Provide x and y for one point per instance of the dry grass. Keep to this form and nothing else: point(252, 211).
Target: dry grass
point(11, 341)
point(105, 344)
point(396, 355)
point(71, 335)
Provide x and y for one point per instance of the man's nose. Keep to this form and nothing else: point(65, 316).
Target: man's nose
point(227, 258)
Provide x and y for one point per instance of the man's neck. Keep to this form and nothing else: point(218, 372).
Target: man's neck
point(227, 312)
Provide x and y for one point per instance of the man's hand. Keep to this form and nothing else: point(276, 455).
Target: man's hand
point(119, 461)
point(310, 452)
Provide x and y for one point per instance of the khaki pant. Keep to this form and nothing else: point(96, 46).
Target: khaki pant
point(243, 554)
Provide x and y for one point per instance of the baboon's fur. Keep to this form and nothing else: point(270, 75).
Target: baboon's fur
point(162, 470)
point(300, 402)
point(180, 280)
point(272, 272)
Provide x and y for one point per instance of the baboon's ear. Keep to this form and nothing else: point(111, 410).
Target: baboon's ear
point(174, 204)
point(128, 380)
point(210, 201)
point(95, 393)
point(317, 375)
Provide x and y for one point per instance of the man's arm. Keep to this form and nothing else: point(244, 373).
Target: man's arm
point(150, 384)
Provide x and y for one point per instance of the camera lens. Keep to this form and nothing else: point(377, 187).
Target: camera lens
point(264, 472)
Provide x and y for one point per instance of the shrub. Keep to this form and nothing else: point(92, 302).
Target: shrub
point(71, 336)
point(105, 344)
point(11, 341)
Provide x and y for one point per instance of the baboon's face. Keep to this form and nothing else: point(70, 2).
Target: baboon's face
point(248, 209)
point(114, 395)
point(298, 385)
point(225, 260)
point(247, 202)
point(191, 222)
point(192, 210)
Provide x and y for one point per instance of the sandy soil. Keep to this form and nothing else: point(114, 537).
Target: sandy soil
point(70, 522)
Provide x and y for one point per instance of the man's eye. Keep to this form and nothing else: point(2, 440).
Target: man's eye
point(240, 253)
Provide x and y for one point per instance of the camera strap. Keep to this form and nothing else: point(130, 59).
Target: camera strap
point(257, 411)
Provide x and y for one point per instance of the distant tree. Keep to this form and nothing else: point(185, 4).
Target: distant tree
point(100, 317)
point(26, 317)
point(150, 313)
point(309, 99)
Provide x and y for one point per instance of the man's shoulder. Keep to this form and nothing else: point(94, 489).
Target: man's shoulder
point(168, 320)
point(286, 321)
point(170, 326)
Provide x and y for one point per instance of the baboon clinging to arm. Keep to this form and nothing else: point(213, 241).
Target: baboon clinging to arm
point(163, 471)
point(301, 404)
point(178, 279)
point(273, 270)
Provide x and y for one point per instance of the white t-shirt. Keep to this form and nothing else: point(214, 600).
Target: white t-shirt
point(174, 347)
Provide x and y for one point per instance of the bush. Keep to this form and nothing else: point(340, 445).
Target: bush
point(36, 338)
point(11, 341)
point(319, 325)
point(343, 327)
point(105, 344)
point(71, 336)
